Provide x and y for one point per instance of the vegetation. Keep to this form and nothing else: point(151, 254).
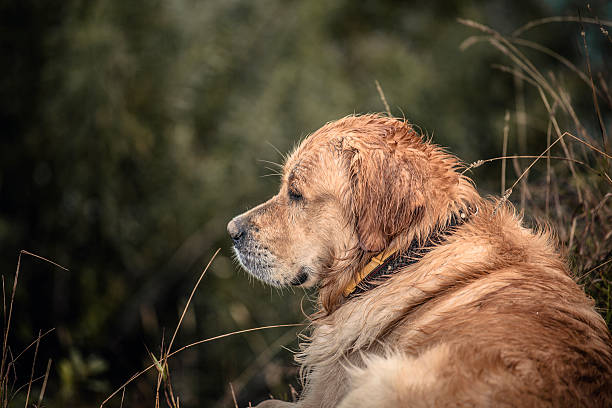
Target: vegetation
point(133, 131)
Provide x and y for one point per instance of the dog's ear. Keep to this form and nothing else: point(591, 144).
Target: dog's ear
point(386, 192)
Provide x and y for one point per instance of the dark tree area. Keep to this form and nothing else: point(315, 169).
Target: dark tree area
point(132, 131)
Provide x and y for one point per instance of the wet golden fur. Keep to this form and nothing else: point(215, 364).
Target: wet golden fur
point(490, 317)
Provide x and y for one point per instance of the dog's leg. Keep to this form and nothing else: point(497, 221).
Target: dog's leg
point(396, 380)
point(440, 377)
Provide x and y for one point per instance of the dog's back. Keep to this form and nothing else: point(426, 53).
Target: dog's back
point(490, 318)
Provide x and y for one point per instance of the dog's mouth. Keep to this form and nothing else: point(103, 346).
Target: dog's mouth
point(301, 277)
point(258, 263)
point(263, 265)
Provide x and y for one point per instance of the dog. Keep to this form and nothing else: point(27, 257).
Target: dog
point(428, 294)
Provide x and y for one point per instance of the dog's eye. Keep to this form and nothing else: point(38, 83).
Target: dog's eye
point(294, 194)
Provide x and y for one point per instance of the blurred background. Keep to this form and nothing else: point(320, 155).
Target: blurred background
point(133, 131)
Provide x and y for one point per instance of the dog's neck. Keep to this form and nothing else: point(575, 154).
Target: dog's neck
point(347, 270)
point(383, 265)
point(440, 199)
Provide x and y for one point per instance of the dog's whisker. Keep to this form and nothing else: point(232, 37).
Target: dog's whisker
point(281, 154)
point(274, 171)
point(271, 162)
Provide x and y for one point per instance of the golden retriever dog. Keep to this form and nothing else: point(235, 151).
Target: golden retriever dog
point(428, 294)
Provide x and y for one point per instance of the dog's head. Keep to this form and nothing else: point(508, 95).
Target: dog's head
point(351, 189)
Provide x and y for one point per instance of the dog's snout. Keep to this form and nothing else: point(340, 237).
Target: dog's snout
point(236, 229)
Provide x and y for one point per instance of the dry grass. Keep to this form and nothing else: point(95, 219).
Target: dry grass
point(572, 194)
point(9, 388)
point(164, 383)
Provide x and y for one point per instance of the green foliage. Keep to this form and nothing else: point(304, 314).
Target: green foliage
point(79, 375)
point(132, 133)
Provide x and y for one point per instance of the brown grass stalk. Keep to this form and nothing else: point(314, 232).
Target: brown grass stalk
point(602, 127)
point(505, 150)
point(233, 395)
point(559, 19)
point(32, 372)
point(41, 395)
point(381, 94)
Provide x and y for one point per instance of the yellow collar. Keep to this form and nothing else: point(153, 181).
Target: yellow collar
point(374, 263)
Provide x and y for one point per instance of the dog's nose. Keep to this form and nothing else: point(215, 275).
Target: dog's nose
point(235, 228)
